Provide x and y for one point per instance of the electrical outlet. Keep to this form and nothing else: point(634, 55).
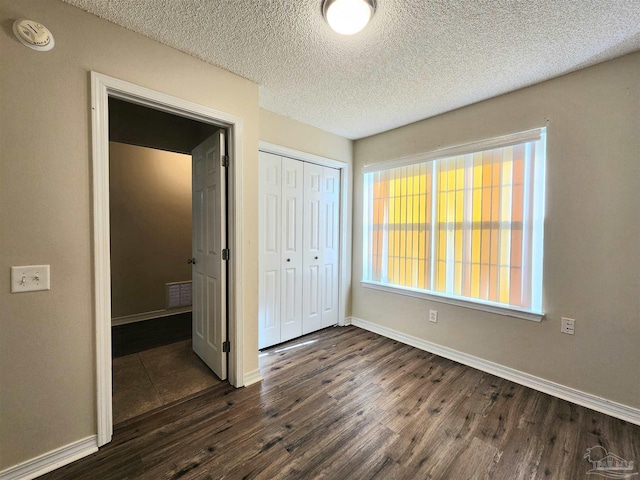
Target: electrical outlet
point(433, 316)
point(568, 326)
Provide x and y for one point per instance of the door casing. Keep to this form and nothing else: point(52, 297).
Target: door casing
point(103, 87)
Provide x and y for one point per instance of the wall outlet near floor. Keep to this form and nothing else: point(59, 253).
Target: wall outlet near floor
point(433, 316)
point(568, 326)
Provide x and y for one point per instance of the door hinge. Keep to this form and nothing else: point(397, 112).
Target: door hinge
point(225, 254)
point(226, 346)
point(225, 160)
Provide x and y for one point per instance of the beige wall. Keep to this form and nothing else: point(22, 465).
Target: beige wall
point(47, 357)
point(592, 232)
point(284, 131)
point(150, 208)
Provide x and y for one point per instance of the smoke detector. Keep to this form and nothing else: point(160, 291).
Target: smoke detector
point(33, 34)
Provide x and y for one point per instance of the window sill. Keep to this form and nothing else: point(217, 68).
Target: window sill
point(460, 302)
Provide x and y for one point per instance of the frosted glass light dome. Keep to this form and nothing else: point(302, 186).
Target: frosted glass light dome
point(348, 16)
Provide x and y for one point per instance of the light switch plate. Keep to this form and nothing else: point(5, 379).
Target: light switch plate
point(30, 278)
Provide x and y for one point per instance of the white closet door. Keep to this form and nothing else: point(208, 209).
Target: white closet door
point(330, 245)
point(270, 251)
point(291, 284)
point(312, 241)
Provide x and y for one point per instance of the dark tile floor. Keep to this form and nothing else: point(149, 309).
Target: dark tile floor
point(152, 378)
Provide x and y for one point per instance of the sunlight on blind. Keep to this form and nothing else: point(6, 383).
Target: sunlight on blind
point(401, 227)
point(463, 225)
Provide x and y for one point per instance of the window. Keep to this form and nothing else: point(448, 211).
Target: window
point(465, 223)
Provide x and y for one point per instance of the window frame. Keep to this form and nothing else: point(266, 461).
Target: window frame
point(537, 213)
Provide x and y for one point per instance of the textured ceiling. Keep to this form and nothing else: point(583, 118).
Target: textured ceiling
point(416, 59)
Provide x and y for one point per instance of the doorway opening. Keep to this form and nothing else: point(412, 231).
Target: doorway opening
point(151, 201)
point(219, 159)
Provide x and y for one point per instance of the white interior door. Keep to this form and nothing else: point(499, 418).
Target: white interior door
point(270, 251)
point(291, 284)
point(312, 241)
point(330, 245)
point(209, 239)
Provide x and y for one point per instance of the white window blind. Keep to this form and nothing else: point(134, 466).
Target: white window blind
point(466, 223)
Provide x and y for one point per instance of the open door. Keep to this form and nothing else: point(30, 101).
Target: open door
point(209, 241)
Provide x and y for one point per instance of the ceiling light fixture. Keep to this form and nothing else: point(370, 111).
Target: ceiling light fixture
point(348, 16)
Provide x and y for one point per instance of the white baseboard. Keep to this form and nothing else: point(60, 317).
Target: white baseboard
point(250, 378)
point(608, 407)
point(140, 317)
point(347, 321)
point(51, 460)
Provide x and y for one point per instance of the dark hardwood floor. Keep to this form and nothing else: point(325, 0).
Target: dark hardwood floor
point(347, 404)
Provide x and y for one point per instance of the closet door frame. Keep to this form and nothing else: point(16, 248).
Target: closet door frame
point(344, 276)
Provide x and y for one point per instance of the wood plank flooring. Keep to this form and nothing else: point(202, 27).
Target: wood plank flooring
point(345, 403)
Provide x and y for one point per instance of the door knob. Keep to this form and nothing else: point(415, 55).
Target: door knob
point(315, 258)
point(192, 261)
point(288, 259)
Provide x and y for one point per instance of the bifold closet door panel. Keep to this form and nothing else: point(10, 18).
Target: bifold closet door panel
point(299, 248)
point(312, 240)
point(330, 245)
point(291, 262)
point(270, 249)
